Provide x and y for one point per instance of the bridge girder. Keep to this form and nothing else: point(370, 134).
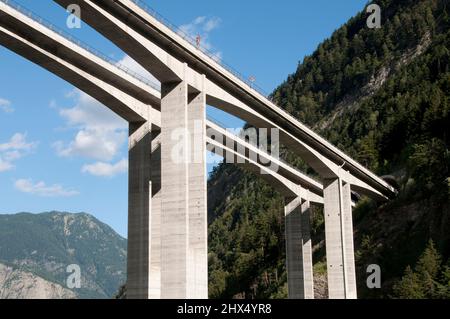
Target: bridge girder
point(166, 55)
point(107, 89)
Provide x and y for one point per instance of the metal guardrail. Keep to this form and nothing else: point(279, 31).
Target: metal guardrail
point(78, 42)
point(264, 152)
point(102, 56)
point(115, 63)
point(153, 13)
point(223, 126)
point(192, 41)
point(127, 70)
point(230, 69)
point(238, 137)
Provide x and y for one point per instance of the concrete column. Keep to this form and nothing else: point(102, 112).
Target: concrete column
point(298, 249)
point(337, 210)
point(184, 251)
point(307, 250)
point(174, 191)
point(138, 265)
point(198, 224)
point(155, 246)
point(348, 239)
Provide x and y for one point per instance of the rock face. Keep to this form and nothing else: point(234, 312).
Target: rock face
point(38, 248)
point(17, 284)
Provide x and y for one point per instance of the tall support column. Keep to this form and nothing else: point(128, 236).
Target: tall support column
point(184, 255)
point(139, 223)
point(298, 249)
point(307, 250)
point(338, 231)
point(198, 224)
point(155, 246)
point(349, 255)
point(174, 191)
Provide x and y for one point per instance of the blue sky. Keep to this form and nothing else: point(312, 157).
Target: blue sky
point(61, 150)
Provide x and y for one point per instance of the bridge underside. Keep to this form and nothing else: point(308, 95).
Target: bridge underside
point(167, 225)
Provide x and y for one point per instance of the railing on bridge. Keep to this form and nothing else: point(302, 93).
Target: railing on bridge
point(127, 70)
point(80, 43)
point(262, 150)
point(252, 143)
point(156, 15)
point(193, 42)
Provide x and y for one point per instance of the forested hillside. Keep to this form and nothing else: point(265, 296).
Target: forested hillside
point(35, 250)
point(382, 96)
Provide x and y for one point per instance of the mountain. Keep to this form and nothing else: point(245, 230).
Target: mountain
point(381, 95)
point(17, 284)
point(36, 249)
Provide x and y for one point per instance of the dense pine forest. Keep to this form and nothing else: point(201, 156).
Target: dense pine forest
point(383, 96)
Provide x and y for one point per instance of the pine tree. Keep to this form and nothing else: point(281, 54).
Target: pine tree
point(428, 280)
point(428, 268)
point(443, 289)
point(409, 287)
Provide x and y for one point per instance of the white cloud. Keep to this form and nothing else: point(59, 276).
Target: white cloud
point(105, 169)
point(5, 165)
point(202, 26)
point(5, 106)
point(101, 133)
point(100, 144)
point(199, 20)
point(88, 112)
point(211, 24)
point(16, 148)
point(17, 142)
point(41, 189)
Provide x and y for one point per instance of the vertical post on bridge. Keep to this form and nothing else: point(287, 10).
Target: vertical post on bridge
point(298, 249)
point(143, 215)
point(339, 240)
point(184, 259)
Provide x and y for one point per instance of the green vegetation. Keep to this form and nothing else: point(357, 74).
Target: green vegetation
point(45, 244)
point(382, 96)
point(430, 278)
point(248, 241)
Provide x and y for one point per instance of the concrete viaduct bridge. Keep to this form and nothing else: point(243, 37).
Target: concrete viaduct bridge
point(167, 221)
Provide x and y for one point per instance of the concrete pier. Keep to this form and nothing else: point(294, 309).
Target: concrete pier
point(339, 240)
point(298, 249)
point(198, 224)
point(139, 222)
point(155, 234)
point(184, 272)
point(175, 192)
point(349, 254)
